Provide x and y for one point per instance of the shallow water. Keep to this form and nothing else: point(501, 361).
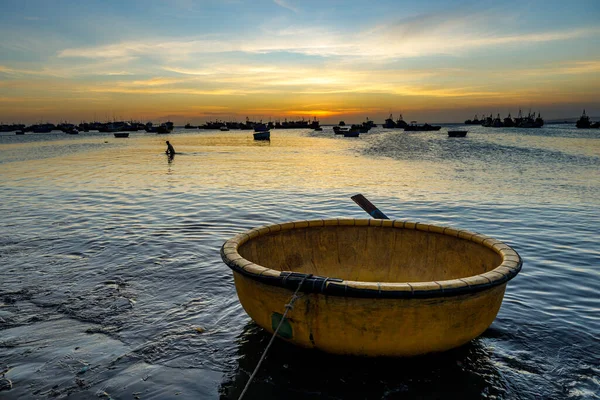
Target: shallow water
point(111, 283)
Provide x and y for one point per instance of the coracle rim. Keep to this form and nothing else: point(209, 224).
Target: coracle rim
point(509, 267)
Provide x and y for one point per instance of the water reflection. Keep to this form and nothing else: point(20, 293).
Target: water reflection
point(261, 143)
point(290, 372)
point(83, 210)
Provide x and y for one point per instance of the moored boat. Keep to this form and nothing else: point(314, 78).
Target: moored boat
point(389, 123)
point(414, 127)
point(530, 121)
point(12, 127)
point(41, 128)
point(474, 121)
point(260, 127)
point(340, 130)
point(110, 128)
point(121, 134)
point(457, 133)
point(354, 131)
point(263, 135)
point(299, 124)
point(488, 121)
point(508, 121)
point(315, 125)
point(583, 122)
point(367, 125)
point(166, 127)
point(497, 123)
point(371, 287)
point(401, 123)
point(150, 128)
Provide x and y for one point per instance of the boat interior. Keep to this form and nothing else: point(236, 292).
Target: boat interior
point(371, 254)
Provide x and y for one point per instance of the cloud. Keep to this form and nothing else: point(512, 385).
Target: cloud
point(392, 42)
point(106, 67)
point(6, 70)
point(316, 68)
point(565, 68)
point(158, 81)
point(164, 91)
point(285, 4)
point(116, 73)
point(244, 80)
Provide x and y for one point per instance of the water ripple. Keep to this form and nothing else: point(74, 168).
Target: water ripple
point(125, 245)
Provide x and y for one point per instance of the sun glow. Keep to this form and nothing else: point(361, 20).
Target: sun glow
point(444, 61)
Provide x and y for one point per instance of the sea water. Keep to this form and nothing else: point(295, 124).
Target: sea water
point(111, 283)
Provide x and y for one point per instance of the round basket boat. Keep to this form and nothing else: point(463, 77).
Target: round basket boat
point(369, 286)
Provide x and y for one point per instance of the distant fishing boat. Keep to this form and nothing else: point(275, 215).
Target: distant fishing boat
point(497, 123)
point(413, 127)
point(43, 128)
point(368, 124)
point(457, 133)
point(264, 135)
point(166, 127)
point(401, 123)
point(150, 128)
point(315, 125)
point(260, 127)
point(12, 127)
point(110, 128)
point(354, 131)
point(508, 122)
point(585, 123)
point(224, 128)
point(340, 130)
point(530, 121)
point(121, 134)
point(19, 133)
point(489, 121)
point(389, 123)
point(474, 121)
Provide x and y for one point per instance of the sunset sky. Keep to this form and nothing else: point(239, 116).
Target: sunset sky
point(191, 61)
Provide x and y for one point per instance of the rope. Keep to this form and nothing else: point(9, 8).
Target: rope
point(288, 307)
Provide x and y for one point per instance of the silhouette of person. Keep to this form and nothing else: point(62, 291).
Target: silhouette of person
point(170, 150)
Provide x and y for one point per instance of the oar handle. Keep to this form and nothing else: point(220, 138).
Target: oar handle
point(368, 207)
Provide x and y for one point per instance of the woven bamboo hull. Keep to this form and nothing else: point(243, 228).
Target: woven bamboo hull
point(386, 300)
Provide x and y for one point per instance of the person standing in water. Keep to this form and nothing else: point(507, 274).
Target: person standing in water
point(170, 150)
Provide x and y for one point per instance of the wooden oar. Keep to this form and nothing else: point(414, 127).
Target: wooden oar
point(368, 207)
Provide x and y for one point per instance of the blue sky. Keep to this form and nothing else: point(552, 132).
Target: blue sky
point(195, 60)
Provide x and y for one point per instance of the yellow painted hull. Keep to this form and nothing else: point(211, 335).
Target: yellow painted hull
point(371, 287)
point(372, 327)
